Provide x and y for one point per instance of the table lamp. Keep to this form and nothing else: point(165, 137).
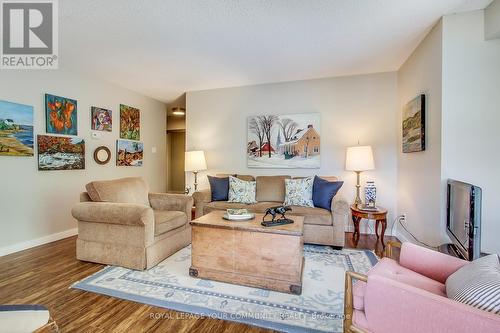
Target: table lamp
point(358, 159)
point(195, 161)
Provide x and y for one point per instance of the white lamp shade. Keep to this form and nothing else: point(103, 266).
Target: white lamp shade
point(359, 158)
point(195, 161)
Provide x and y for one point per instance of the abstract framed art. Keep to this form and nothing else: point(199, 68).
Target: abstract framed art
point(102, 119)
point(414, 125)
point(61, 115)
point(130, 123)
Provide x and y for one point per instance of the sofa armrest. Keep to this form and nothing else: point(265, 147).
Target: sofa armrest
point(340, 206)
point(168, 201)
point(414, 310)
point(435, 265)
point(201, 198)
point(114, 213)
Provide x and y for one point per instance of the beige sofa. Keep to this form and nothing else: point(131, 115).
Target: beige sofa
point(321, 226)
point(121, 223)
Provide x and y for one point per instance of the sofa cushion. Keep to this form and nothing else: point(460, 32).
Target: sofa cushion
point(312, 215)
point(125, 190)
point(166, 220)
point(219, 188)
point(298, 192)
point(258, 207)
point(324, 191)
point(241, 191)
point(389, 268)
point(271, 188)
point(477, 284)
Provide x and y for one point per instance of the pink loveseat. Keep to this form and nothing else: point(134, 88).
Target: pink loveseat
point(410, 296)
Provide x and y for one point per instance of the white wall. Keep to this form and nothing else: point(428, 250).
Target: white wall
point(36, 204)
point(492, 20)
point(352, 108)
point(471, 114)
point(419, 194)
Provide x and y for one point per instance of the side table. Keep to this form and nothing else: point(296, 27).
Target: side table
point(380, 217)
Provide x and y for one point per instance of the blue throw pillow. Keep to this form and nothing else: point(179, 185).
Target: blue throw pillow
point(324, 191)
point(219, 187)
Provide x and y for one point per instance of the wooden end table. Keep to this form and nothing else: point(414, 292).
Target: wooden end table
point(380, 217)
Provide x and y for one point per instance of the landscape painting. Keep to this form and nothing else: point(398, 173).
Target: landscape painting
point(102, 119)
point(414, 125)
point(129, 153)
point(16, 129)
point(60, 153)
point(130, 123)
point(61, 115)
point(284, 141)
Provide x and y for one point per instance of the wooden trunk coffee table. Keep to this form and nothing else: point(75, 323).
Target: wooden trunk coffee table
point(247, 253)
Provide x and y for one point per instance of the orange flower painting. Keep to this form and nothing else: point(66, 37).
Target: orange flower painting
point(61, 115)
point(130, 123)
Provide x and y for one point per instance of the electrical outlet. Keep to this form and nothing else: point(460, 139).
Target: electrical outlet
point(402, 218)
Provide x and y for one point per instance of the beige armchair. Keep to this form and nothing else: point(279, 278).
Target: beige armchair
point(121, 223)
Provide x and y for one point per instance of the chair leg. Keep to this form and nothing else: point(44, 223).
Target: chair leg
point(389, 246)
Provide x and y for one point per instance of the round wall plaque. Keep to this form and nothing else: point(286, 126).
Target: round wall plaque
point(102, 155)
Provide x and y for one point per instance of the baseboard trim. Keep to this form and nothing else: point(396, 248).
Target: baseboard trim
point(37, 242)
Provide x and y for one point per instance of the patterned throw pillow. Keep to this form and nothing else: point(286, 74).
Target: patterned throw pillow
point(477, 284)
point(241, 191)
point(298, 192)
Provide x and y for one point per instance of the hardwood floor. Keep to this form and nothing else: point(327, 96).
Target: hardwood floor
point(43, 275)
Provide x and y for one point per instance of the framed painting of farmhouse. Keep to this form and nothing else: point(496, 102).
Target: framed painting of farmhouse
point(284, 141)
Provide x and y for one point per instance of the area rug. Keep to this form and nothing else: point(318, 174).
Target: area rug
point(168, 285)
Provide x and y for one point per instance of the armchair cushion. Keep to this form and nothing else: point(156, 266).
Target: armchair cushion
point(477, 284)
point(113, 213)
point(125, 190)
point(435, 265)
point(390, 269)
point(168, 220)
point(168, 201)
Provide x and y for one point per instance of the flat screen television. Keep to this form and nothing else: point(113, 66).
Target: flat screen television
point(463, 218)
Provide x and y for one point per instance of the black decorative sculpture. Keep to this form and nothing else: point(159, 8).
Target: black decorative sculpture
point(273, 211)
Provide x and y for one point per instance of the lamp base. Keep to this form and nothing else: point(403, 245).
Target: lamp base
point(357, 201)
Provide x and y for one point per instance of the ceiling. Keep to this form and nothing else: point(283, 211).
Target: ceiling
point(162, 48)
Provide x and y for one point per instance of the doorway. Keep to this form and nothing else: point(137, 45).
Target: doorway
point(176, 145)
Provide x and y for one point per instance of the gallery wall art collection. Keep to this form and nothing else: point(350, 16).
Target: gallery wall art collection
point(64, 150)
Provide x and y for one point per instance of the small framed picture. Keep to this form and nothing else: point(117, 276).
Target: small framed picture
point(414, 125)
